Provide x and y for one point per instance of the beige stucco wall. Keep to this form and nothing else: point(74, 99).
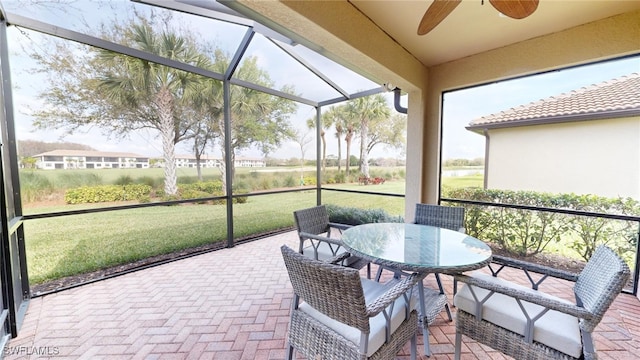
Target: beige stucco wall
point(600, 157)
point(605, 39)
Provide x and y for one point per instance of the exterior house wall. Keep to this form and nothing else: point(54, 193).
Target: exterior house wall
point(600, 40)
point(600, 157)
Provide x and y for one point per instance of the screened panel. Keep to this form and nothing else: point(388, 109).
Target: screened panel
point(265, 214)
point(99, 243)
point(281, 71)
point(105, 19)
point(390, 205)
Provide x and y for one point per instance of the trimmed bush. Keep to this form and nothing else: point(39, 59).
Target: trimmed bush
point(357, 216)
point(106, 193)
point(527, 232)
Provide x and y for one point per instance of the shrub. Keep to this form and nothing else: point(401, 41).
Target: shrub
point(69, 180)
point(357, 216)
point(208, 187)
point(148, 180)
point(34, 186)
point(193, 194)
point(289, 181)
point(264, 184)
point(106, 193)
point(309, 180)
point(123, 180)
point(527, 232)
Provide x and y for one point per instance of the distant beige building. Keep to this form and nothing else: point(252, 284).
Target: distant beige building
point(586, 142)
point(85, 159)
point(189, 161)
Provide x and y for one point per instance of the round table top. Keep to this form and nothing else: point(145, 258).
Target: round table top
point(416, 247)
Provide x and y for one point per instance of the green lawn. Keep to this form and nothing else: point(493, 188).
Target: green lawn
point(63, 246)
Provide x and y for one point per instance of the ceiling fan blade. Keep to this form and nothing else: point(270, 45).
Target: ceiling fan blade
point(516, 9)
point(436, 12)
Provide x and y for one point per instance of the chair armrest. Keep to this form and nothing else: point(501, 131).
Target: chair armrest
point(338, 258)
point(393, 293)
point(528, 296)
point(340, 226)
point(528, 266)
point(305, 235)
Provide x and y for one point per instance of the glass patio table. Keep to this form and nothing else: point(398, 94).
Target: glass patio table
point(417, 248)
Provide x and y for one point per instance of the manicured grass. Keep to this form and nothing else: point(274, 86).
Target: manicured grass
point(476, 180)
point(63, 246)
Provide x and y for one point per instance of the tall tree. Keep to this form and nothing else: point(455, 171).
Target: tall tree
point(367, 110)
point(207, 114)
point(137, 83)
point(388, 131)
point(346, 125)
point(120, 93)
point(333, 117)
point(302, 139)
point(258, 120)
point(325, 123)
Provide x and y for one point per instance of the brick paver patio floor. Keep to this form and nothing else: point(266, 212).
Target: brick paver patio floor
point(228, 304)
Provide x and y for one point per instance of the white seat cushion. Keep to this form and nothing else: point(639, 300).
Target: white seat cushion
point(325, 252)
point(377, 324)
point(554, 329)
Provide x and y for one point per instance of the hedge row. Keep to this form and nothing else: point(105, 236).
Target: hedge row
point(107, 193)
point(357, 216)
point(526, 233)
point(142, 193)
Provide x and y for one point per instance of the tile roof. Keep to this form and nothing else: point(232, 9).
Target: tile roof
point(610, 99)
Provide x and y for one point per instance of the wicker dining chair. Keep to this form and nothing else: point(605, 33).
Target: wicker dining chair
point(314, 231)
point(447, 217)
point(528, 324)
point(336, 314)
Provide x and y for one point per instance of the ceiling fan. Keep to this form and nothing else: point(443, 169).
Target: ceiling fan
point(440, 9)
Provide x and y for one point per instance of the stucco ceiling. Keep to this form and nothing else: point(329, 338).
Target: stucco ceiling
point(474, 27)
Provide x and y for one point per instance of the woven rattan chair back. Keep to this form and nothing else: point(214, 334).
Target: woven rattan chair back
point(448, 217)
point(601, 280)
point(314, 220)
point(335, 291)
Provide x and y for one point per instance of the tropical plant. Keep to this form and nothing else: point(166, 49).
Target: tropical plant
point(364, 111)
point(119, 93)
point(332, 117)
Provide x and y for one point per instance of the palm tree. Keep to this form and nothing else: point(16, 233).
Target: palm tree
point(348, 139)
point(364, 110)
point(333, 117)
point(326, 122)
point(153, 90)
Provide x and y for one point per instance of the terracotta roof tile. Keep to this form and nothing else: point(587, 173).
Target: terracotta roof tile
point(604, 100)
